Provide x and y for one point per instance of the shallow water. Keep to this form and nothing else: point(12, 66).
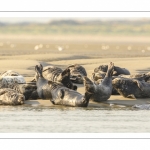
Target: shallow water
point(75, 120)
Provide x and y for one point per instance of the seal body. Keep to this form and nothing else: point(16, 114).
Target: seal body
point(51, 72)
point(100, 92)
point(56, 74)
point(100, 72)
point(9, 78)
point(11, 97)
point(76, 73)
point(58, 93)
point(13, 80)
point(29, 90)
point(131, 88)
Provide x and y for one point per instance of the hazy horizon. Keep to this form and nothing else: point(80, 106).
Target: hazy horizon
point(48, 19)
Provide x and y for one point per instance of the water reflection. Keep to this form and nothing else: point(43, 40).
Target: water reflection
point(27, 107)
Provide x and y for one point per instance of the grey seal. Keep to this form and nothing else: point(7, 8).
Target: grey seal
point(56, 74)
point(11, 97)
point(100, 92)
point(76, 73)
point(131, 88)
point(13, 80)
point(29, 90)
point(9, 78)
point(100, 72)
point(57, 92)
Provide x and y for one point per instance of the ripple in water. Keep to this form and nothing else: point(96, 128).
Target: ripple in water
point(72, 120)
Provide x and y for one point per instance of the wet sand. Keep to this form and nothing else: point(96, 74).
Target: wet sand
point(19, 54)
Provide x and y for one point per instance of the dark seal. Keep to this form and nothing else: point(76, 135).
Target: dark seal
point(100, 92)
point(58, 93)
point(131, 88)
point(76, 73)
point(100, 72)
point(56, 74)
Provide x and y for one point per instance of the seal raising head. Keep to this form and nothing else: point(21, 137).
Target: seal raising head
point(100, 92)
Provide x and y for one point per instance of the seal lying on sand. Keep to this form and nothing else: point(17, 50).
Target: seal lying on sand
point(11, 97)
point(100, 72)
point(76, 73)
point(56, 74)
point(51, 72)
point(57, 92)
point(138, 76)
point(13, 80)
point(99, 81)
point(29, 90)
point(9, 78)
point(131, 88)
point(100, 92)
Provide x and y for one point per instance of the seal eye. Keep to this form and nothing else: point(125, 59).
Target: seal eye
point(75, 87)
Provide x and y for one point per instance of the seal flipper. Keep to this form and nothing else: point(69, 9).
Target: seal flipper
point(139, 84)
point(110, 70)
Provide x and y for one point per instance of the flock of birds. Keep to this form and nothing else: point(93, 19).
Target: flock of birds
point(60, 86)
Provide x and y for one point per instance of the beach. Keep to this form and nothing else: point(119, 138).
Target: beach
point(21, 53)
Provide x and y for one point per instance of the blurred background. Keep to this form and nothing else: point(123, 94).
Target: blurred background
point(81, 37)
point(83, 26)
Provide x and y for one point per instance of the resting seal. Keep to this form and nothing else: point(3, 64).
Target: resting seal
point(56, 74)
point(76, 73)
point(100, 92)
point(57, 92)
point(9, 78)
point(13, 80)
point(11, 97)
point(29, 90)
point(100, 72)
point(131, 88)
